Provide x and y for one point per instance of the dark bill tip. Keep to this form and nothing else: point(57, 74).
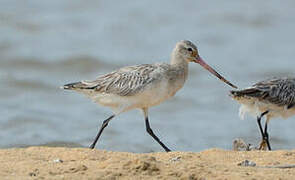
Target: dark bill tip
point(200, 61)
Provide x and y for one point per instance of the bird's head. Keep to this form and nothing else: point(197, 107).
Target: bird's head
point(188, 51)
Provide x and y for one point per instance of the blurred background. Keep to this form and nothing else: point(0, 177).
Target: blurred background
point(45, 44)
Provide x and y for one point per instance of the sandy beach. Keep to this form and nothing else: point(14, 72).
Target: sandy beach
point(83, 163)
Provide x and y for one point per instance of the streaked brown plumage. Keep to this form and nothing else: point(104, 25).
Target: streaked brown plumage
point(126, 81)
point(279, 91)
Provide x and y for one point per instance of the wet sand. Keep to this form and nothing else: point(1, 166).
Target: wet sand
point(83, 163)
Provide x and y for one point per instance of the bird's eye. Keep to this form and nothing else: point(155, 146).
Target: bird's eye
point(190, 49)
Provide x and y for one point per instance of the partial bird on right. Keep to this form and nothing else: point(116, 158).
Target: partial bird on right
point(271, 98)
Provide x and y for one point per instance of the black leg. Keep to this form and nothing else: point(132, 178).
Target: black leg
point(150, 131)
point(264, 133)
point(104, 124)
point(259, 125)
point(259, 122)
point(266, 136)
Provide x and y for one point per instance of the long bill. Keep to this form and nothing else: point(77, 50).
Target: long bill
point(200, 61)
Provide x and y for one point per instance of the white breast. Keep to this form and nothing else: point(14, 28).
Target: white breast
point(255, 108)
point(152, 95)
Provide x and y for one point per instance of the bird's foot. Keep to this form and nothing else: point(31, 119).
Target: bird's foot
point(263, 145)
point(92, 146)
point(167, 150)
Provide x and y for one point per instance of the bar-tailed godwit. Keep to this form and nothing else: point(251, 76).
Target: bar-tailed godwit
point(142, 86)
point(271, 98)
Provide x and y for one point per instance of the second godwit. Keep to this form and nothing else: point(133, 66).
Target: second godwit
point(271, 98)
point(142, 86)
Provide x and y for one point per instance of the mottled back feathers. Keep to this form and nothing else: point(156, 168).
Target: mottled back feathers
point(278, 91)
point(126, 81)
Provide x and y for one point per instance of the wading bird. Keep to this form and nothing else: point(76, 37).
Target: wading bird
point(271, 98)
point(142, 86)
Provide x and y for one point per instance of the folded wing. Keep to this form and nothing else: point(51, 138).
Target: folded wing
point(279, 91)
point(126, 81)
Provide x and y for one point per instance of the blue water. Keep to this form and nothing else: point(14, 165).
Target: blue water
point(45, 44)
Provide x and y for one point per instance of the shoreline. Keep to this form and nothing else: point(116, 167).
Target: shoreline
point(82, 163)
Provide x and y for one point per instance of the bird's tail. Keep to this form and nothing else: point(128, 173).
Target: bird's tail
point(234, 93)
point(82, 85)
point(249, 92)
point(72, 86)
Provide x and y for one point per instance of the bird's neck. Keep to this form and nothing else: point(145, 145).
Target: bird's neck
point(178, 60)
point(179, 66)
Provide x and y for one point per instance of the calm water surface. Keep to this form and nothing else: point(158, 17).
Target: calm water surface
point(45, 44)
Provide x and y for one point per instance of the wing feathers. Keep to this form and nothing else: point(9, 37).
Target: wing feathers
point(124, 82)
point(277, 91)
